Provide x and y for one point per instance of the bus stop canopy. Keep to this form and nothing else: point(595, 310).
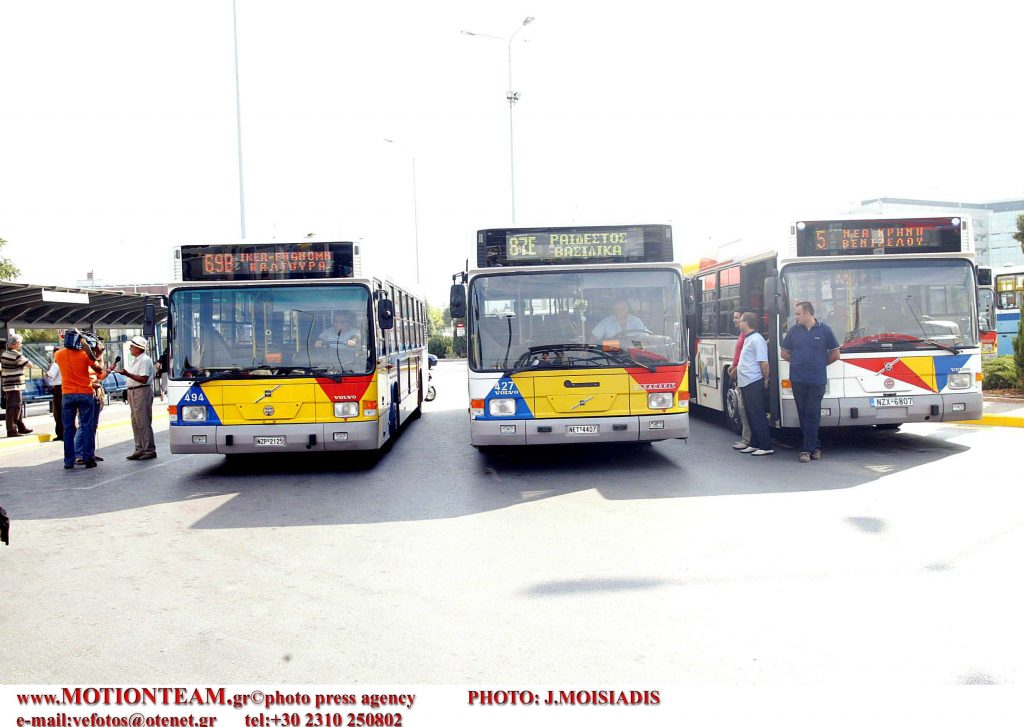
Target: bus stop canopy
point(52, 306)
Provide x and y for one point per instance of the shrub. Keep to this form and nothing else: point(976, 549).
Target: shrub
point(1018, 351)
point(440, 345)
point(1000, 373)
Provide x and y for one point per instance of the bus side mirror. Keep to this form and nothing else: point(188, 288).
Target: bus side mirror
point(774, 300)
point(984, 276)
point(385, 314)
point(149, 321)
point(689, 300)
point(457, 301)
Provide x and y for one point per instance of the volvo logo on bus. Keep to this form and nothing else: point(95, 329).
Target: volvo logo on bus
point(268, 411)
point(889, 383)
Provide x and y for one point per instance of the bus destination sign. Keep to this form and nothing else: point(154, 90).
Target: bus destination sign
point(574, 245)
point(300, 261)
point(604, 244)
point(879, 237)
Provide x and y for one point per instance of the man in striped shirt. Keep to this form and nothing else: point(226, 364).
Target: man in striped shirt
point(12, 380)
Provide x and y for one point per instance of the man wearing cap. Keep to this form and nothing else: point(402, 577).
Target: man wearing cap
point(12, 372)
point(140, 399)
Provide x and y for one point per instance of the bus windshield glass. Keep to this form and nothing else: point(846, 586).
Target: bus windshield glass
point(891, 305)
point(1009, 291)
point(270, 330)
point(593, 319)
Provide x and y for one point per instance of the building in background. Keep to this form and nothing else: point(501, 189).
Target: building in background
point(994, 223)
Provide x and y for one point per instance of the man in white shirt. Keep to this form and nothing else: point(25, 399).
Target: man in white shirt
point(140, 399)
point(621, 320)
point(752, 375)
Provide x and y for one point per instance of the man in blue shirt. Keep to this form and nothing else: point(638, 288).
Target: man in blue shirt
point(809, 346)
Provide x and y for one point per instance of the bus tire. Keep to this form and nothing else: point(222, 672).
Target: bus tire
point(393, 423)
point(731, 406)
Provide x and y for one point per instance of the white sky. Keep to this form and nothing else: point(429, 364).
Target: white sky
point(117, 122)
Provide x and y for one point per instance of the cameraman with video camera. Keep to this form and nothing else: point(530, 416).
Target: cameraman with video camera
point(75, 361)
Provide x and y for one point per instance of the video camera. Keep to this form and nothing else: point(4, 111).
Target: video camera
point(81, 341)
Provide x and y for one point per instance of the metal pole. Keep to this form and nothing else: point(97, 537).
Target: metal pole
point(511, 132)
point(415, 220)
point(238, 118)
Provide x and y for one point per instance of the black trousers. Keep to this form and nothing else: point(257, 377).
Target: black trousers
point(58, 418)
point(13, 412)
point(753, 402)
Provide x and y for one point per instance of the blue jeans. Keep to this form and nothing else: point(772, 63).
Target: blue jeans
point(81, 435)
point(808, 408)
point(82, 407)
point(753, 402)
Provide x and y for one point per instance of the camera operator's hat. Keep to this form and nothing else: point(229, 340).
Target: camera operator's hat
point(140, 342)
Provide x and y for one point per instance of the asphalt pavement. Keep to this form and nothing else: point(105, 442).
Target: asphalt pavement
point(892, 561)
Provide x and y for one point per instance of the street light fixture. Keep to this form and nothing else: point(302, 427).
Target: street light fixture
point(415, 212)
point(512, 97)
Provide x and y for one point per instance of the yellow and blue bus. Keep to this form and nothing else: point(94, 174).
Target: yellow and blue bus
point(575, 334)
point(1008, 287)
point(290, 348)
point(900, 296)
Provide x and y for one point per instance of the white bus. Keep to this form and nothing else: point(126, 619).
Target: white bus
point(576, 334)
point(900, 296)
point(290, 348)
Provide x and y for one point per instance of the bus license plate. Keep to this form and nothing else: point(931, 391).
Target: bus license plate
point(583, 429)
point(269, 441)
point(893, 401)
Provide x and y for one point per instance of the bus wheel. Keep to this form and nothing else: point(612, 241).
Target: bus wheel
point(393, 414)
point(732, 408)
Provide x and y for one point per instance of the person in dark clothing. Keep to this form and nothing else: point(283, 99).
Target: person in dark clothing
point(809, 346)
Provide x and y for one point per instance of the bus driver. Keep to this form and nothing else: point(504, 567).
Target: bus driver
point(343, 332)
point(620, 320)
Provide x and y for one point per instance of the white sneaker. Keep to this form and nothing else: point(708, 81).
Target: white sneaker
point(740, 445)
point(748, 450)
point(762, 452)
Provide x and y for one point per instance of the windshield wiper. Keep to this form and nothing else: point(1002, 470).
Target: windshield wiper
point(218, 372)
point(945, 346)
point(617, 357)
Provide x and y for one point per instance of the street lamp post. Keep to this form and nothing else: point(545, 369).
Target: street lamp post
point(238, 119)
point(415, 210)
point(512, 97)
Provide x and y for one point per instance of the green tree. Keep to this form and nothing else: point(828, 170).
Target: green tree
point(1019, 234)
point(435, 320)
point(8, 271)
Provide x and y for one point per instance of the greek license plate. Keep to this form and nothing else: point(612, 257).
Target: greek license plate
point(269, 441)
point(893, 401)
point(583, 428)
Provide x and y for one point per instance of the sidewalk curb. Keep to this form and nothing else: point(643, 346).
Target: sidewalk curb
point(6, 443)
point(994, 420)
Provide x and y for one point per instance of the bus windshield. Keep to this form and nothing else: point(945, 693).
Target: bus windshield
point(270, 330)
point(890, 304)
point(1009, 291)
point(582, 319)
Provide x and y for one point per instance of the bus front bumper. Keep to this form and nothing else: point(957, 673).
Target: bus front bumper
point(269, 439)
point(858, 411)
point(513, 432)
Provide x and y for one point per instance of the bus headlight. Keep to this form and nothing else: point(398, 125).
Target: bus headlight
point(961, 380)
point(659, 401)
point(501, 407)
point(347, 409)
point(193, 413)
